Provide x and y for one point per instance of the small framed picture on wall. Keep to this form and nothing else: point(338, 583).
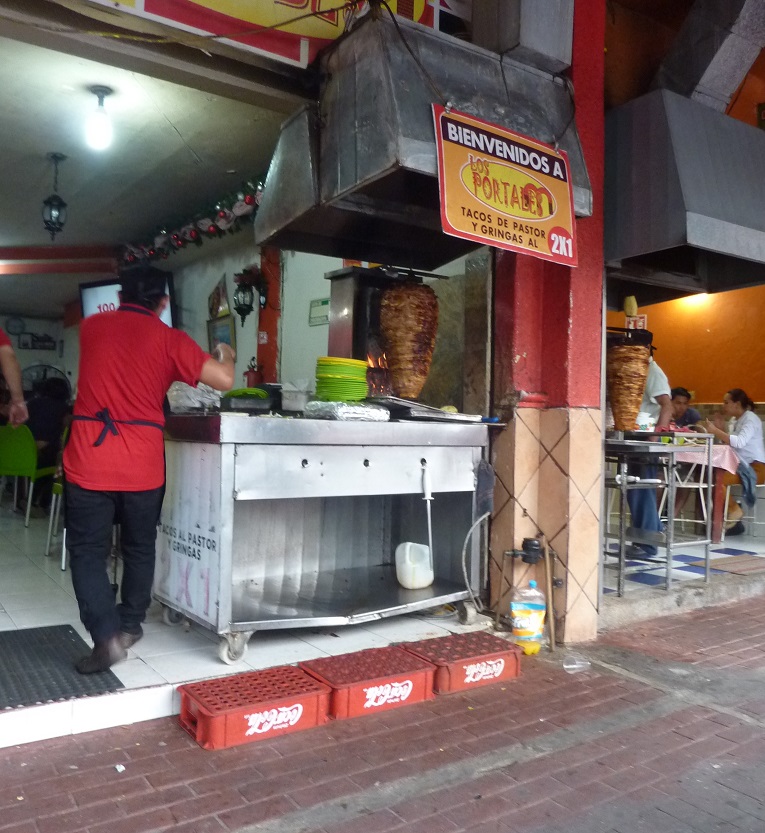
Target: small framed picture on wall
point(221, 331)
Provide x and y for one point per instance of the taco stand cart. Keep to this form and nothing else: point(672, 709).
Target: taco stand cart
point(288, 523)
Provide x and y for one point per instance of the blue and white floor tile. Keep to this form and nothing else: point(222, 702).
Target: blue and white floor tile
point(653, 574)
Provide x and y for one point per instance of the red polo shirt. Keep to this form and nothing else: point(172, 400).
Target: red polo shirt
point(128, 360)
point(4, 340)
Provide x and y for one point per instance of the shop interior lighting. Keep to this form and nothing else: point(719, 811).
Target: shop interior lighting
point(98, 127)
point(54, 208)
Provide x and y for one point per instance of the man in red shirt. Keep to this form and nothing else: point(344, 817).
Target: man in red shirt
point(9, 366)
point(114, 461)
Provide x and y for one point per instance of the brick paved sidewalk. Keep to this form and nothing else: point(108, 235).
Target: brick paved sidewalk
point(665, 735)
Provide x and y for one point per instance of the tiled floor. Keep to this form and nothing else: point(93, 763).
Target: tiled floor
point(654, 574)
point(35, 592)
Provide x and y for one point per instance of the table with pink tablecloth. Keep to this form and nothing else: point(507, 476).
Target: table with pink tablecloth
point(723, 457)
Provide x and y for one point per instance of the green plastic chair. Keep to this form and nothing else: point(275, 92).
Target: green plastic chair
point(18, 458)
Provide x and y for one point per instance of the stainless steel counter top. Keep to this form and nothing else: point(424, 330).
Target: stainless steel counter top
point(242, 429)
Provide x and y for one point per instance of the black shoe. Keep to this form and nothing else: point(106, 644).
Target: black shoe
point(636, 552)
point(129, 638)
point(737, 529)
point(102, 657)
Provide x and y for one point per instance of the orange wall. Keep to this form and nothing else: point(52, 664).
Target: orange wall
point(710, 343)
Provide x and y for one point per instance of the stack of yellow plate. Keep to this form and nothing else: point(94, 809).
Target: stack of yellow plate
point(340, 380)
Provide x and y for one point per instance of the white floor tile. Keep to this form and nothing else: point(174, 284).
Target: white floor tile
point(135, 673)
point(343, 640)
point(405, 628)
point(6, 623)
point(295, 651)
point(42, 617)
point(161, 639)
point(199, 664)
point(121, 708)
point(47, 595)
point(35, 723)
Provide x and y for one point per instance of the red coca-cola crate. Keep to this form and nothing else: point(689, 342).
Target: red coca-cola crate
point(255, 706)
point(372, 681)
point(467, 660)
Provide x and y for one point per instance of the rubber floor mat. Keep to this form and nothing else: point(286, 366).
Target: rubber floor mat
point(742, 565)
point(37, 666)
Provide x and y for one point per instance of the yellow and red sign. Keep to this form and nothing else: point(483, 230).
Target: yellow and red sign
point(503, 189)
point(291, 31)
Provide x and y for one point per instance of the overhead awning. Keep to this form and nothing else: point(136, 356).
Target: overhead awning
point(356, 176)
point(684, 202)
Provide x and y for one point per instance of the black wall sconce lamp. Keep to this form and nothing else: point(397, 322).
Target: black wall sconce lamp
point(249, 281)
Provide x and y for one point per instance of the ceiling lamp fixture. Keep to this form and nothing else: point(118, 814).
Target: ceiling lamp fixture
point(98, 127)
point(54, 208)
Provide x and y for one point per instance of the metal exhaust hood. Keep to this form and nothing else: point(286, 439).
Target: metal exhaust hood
point(356, 175)
point(684, 203)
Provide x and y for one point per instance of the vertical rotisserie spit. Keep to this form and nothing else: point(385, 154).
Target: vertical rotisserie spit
point(408, 324)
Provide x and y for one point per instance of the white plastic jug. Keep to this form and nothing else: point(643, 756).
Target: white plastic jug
point(414, 569)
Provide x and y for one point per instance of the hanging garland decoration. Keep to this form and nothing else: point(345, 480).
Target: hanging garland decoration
point(228, 216)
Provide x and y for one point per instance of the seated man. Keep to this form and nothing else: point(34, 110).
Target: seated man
point(683, 415)
point(48, 413)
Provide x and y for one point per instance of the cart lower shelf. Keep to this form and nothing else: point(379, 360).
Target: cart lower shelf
point(331, 598)
point(336, 597)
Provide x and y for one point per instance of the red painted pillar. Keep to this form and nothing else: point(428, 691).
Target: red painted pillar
point(548, 317)
point(585, 334)
point(268, 318)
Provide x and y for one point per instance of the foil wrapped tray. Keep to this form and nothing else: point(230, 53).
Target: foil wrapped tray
point(346, 411)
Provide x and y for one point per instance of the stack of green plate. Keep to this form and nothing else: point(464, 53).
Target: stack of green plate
point(340, 380)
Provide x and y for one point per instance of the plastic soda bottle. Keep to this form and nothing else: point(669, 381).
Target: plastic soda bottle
point(527, 612)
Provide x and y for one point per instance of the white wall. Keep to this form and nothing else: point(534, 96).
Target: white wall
point(71, 359)
point(40, 327)
point(196, 280)
point(302, 282)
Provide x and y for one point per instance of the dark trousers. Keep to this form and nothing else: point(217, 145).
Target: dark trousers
point(90, 519)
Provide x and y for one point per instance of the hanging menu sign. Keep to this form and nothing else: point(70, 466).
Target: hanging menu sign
point(503, 189)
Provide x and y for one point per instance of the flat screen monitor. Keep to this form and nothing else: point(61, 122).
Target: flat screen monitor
point(103, 296)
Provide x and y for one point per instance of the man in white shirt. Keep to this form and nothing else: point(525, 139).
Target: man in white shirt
point(657, 406)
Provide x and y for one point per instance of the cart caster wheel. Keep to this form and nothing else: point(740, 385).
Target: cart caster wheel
point(467, 613)
point(171, 617)
point(233, 647)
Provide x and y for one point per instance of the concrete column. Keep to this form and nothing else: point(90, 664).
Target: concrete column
point(547, 362)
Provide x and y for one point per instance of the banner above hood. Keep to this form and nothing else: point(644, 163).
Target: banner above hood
point(356, 176)
point(684, 202)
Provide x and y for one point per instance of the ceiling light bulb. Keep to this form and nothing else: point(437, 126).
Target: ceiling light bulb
point(98, 127)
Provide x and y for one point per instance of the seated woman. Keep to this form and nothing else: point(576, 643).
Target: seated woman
point(746, 440)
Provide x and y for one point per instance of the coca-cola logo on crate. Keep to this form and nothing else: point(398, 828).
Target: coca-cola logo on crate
point(487, 670)
point(281, 718)
point(379, 695)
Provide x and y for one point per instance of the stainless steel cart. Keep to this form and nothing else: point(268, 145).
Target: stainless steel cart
point(284, 523)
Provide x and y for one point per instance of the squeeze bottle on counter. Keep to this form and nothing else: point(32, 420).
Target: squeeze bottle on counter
point(527, 612)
